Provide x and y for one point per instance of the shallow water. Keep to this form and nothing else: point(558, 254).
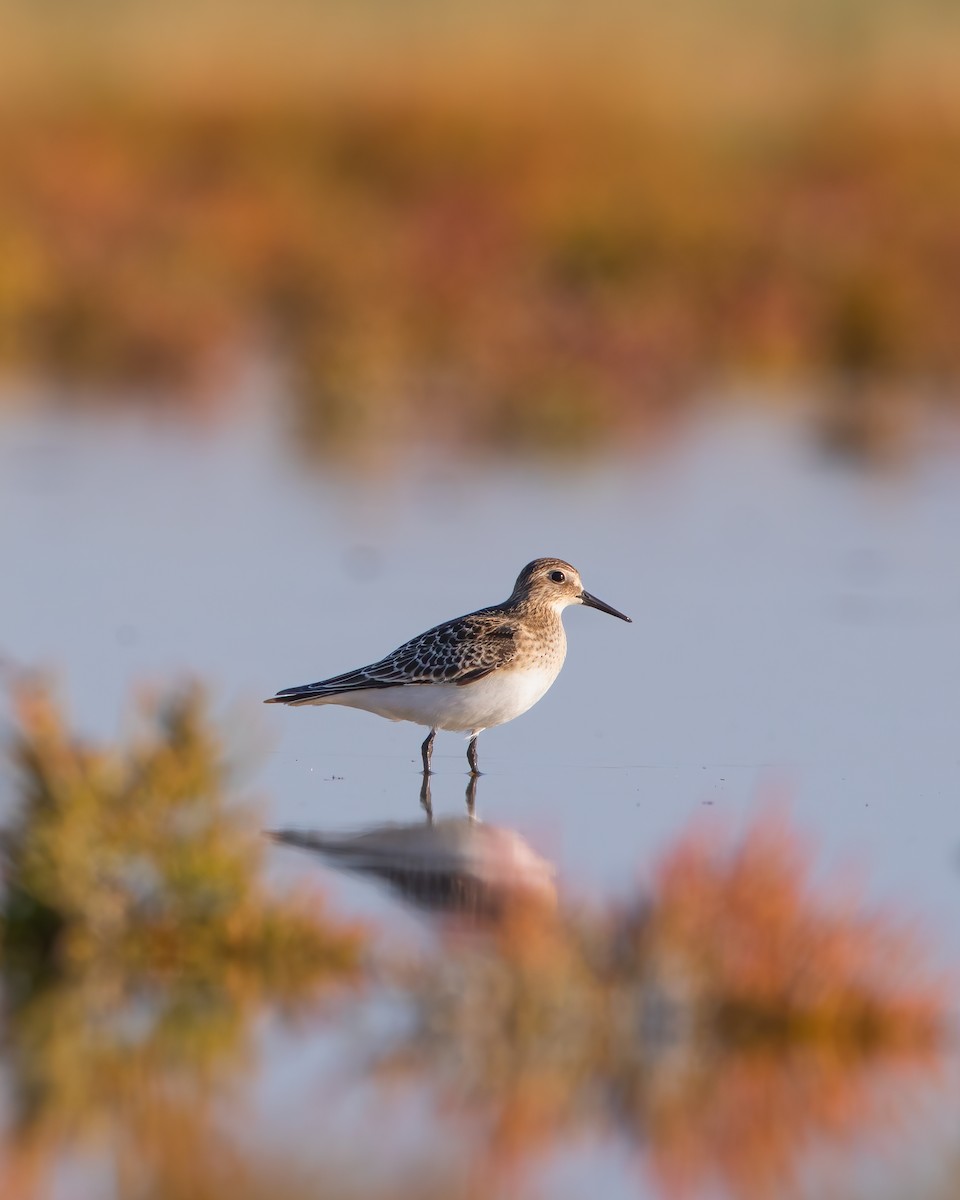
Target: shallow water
point(796, 643)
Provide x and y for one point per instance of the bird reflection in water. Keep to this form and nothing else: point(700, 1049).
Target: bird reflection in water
point(426, 800)
point(454, 866)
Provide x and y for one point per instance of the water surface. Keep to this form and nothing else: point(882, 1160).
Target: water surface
point(796, 643)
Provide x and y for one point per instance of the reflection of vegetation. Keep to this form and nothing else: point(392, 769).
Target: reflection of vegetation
point(138, 940)
point(729, 1020)
point(542, 258)
point(120, 1060)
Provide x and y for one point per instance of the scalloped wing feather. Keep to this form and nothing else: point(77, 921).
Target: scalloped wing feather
point(459, 651)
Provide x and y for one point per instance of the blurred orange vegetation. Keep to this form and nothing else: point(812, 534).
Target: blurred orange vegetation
point(494, 239)
point(820, 1014)
point(776, 955)
point(737, 1016)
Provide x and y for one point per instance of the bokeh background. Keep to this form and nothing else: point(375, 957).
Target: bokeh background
point(507, 225)
point(317, 321)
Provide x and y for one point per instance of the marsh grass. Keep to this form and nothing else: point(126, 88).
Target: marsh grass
point(505, 240)
point(141, 855)
point(139, 944)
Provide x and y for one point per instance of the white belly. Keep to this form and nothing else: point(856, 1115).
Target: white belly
point(493, 700)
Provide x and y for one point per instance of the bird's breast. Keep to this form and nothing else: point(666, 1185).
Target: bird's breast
point(503, 695)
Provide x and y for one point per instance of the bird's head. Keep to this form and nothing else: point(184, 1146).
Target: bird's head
point(555, 583)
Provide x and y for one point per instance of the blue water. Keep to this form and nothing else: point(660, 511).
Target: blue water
point(796, 638)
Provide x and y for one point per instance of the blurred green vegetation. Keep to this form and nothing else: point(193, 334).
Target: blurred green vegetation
point(139, 941)
point(481, 224)
point(137, 856)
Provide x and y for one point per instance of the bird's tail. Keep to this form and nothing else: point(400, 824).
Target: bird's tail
point(297, 695)
point(325, 690)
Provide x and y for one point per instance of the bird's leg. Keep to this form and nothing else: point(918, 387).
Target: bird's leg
point(472, 755)
point(471, 795)
point(425, 801)
point(426, 751)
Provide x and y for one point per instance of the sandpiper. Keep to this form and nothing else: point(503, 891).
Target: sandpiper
point(471, 673)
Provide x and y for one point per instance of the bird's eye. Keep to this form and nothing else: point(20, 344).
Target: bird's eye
point(558, 576)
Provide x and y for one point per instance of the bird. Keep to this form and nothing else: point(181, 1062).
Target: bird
point(472, 673)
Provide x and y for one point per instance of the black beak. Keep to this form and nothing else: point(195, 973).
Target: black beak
point(593, 602)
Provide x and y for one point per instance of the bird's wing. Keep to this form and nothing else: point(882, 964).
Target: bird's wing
point(460, 651)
